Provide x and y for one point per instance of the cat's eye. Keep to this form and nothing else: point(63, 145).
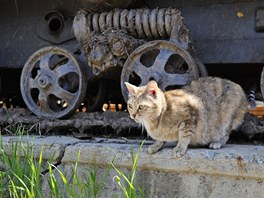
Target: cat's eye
point(130, 106)
point(141, 107)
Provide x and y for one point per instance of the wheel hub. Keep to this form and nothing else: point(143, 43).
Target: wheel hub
point(44, 81)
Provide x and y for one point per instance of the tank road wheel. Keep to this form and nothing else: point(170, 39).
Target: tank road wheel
point(262, 82)
point(52, 83)
point(168, 64)
point(202, 69)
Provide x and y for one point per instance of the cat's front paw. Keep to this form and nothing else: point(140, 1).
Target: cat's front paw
point(153, 149)
point(215, 145)
point(179, 152)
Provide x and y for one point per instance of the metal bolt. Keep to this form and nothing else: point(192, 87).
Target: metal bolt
point(44, 81)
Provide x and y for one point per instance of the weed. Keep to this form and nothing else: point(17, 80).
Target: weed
point(20, 171)
point(129, 190)
point(76, 187)
point(22, 174)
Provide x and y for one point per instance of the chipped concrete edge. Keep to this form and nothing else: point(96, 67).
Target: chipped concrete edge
point(245, 161)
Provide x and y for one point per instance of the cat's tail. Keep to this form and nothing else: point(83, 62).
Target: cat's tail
point(251, 98)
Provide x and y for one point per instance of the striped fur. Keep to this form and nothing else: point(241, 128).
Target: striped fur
point(200, 114)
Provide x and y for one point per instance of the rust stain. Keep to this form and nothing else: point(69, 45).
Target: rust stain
point(240, 163)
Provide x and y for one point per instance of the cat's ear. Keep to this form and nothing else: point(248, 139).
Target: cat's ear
point(152, 88)
point(132, 89)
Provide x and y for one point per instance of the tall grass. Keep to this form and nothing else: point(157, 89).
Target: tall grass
point(20, 171)
point(129, 189)
point(74, 186)
point(22, 174)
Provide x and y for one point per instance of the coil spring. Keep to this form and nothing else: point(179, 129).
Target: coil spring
point(141, 23)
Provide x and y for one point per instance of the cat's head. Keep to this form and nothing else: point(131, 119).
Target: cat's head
point(144, 103)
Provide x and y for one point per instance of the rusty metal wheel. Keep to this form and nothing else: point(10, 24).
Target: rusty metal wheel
point(52, 83)
point(169, 65)
point(262, 82)
point(201, 67)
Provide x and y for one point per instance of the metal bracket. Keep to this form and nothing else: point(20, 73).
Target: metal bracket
point(55, 28)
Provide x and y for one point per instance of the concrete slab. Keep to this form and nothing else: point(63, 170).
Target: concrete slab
point(231, 160)
point(233, 171)
point(53, 146)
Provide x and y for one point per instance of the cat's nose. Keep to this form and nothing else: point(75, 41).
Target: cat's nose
point(134, 115)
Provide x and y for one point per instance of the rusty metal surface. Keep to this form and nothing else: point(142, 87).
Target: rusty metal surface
point(52, 83)
point(163, 61)
point(85, 123)
point(109, 50)
point(109, 37)
point(140, 23)
point(171, 65)
point(90, 125)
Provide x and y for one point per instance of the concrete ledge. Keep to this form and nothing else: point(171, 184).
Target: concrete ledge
point(53, 146)
point(233, 171)
point(231, 160)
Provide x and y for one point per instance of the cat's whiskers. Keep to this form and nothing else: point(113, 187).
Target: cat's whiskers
point(142, 128)
point(147, 123)
point(141, 124)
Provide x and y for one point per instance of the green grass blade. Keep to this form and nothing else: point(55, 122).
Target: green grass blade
point(123, 176)
point(135, 161)
point(53, 183)
point(130, 191)
point(121, 185)
point(100, 185)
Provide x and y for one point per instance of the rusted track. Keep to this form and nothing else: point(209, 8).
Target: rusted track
point(140, 23)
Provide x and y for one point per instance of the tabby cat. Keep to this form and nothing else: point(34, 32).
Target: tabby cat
point(200, 114)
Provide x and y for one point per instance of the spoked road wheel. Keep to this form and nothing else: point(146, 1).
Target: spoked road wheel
point(52, 83)
point(168, 64)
